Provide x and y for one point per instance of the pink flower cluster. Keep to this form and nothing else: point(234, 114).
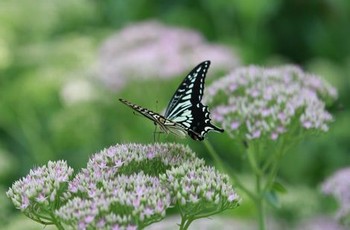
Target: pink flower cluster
point(124, 201)
point(153, 50)
point(41, 185)
point(254, 102)
point(199, 187)
point(115, 177)
point(123, 187)
point(338, 185)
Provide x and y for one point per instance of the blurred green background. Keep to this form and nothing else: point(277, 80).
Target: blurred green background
point(49, 52)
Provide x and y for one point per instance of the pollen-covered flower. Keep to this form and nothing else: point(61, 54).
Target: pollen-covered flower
point(254, 102)
point(200, 188)
point(338, 185)
point(153, 50)
point(40, 186)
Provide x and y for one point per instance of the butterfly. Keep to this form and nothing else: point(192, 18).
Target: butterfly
point(185, 114)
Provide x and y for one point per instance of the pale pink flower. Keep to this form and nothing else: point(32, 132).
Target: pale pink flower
point(153, 50)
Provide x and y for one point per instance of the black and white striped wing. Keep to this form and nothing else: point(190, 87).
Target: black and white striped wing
point(189, 92)
point(185, 106)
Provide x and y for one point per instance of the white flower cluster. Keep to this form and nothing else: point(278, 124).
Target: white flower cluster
point(256, 102)
point(40, 186)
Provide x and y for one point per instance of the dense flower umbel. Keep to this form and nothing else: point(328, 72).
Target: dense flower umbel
point(152, 50)
point(125, 201)
point(254, 102)
point(39, 190)
point(338, 186)
point(121, 188)
point(106, 184)
point(198, 190)
point(125, 159)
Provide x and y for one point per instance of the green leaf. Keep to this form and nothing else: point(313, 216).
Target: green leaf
point(272, 199)
point(278, 187)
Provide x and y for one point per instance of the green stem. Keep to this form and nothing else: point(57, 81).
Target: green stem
point(182, 224)
point(36, 218)
point(57, 222)
point(215, 156)
point(260, 203)
point(258, 197)
point(185, 222)
point(252, 158)
point(239, 184)
point(254, 155)
point(227, 170)
point(274, 165)
point(274, 168)
point(188, 223)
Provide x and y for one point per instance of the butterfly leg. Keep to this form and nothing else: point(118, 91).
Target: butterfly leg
point(159, 136)
point(154, 133)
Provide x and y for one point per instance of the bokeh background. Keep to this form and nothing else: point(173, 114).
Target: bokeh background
point(64, 64)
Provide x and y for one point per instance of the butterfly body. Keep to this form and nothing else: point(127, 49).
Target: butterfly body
point(185, 114)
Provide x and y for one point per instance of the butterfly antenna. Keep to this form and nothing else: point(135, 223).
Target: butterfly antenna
point(159, 135)
point(157, 105)
point(155, 127)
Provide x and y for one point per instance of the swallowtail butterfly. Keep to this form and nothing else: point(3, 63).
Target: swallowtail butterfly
point(185, 113)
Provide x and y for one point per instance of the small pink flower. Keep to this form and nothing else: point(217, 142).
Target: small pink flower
point(40, 198)
point(307, 124)
point(25, 202)
point(235, 125)
point(274, 136)
point(89, 219)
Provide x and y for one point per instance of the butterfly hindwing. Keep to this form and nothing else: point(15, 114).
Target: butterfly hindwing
point(201, 123)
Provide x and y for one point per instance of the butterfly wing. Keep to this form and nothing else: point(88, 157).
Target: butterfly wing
point(145, 112)
point(165, 125)
point(185, 106)
point(189, 92)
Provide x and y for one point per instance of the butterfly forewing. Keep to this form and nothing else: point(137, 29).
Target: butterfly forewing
point(189, 92)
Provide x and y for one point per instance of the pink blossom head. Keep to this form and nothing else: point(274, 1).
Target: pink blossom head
point(256, 103)
point(153, 50)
